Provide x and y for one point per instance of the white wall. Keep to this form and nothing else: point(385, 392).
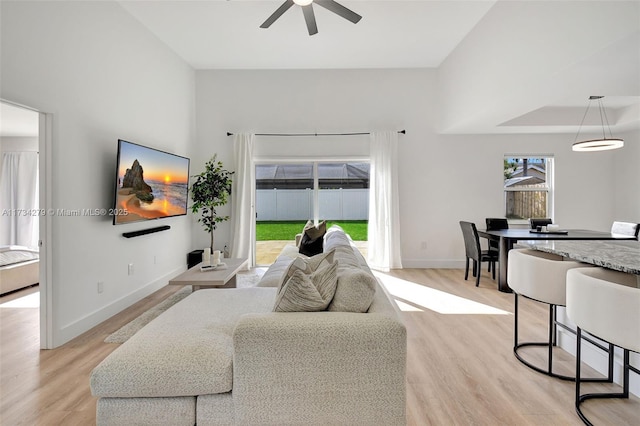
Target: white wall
point(301, 102)
point(18, 143)
point(443, 178)
point(103, 77)
point(503, 68)
point(627, 178)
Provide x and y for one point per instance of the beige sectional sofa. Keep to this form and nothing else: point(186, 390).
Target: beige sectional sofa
point(223, 357)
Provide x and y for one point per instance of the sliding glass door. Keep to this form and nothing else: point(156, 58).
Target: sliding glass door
point(288, 194)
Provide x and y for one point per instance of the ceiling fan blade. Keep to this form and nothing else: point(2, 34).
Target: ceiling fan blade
point(339, 9)
point(310, 19)
point(278, 13)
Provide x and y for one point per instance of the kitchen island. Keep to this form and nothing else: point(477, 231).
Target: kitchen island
point(623, 256)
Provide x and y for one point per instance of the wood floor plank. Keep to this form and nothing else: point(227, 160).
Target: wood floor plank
point(460, 365)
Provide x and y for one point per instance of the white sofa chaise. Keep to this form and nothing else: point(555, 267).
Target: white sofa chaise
point(223, 357)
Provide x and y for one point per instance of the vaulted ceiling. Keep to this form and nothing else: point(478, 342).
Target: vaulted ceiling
point(214, 34)
point(226, 34)
point(504, 66)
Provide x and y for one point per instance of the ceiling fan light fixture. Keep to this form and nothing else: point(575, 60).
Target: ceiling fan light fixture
point(600, 144)
point(309, 15)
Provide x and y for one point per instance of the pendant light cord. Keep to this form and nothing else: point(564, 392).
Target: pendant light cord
point(583, 117)
point(603, 113)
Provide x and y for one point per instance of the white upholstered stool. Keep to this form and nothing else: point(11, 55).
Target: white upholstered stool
point(541, 277)
point(606, 304)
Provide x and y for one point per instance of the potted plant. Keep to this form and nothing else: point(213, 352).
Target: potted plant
point(210, 190)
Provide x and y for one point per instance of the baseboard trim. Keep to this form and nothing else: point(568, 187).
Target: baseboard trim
point(81, 325)
point(433, 264)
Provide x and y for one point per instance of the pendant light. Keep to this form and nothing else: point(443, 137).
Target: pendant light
point(600, 144)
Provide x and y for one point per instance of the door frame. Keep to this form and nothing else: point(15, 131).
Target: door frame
point(45, 133)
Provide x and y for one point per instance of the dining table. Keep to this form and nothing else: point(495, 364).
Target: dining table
point(507, 238)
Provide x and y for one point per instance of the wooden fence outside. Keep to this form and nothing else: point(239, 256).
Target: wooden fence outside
point(526, 204)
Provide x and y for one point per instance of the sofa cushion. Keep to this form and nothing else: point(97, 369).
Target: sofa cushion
point(355, 291)
point(186, 351)
point(307, 293)
point(334, 237)
point(273, 276)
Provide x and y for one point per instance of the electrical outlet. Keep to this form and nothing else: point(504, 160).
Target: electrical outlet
point(423, 245)
point(131, 269)
point(155, 260)
point(100, 286)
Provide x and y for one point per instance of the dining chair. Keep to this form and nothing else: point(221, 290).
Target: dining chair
point(604, 303)
point(493, 224)
point(625, 228)
point(534, 223)
point(475, 253)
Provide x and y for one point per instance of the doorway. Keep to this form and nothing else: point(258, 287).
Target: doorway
point(24, 141)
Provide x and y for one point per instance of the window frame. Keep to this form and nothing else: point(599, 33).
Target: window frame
point(315, 161)
point(549, 187)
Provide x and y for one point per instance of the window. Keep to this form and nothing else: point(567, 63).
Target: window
point(290, 193)
point(528, 187)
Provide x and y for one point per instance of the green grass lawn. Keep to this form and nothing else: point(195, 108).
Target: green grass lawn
point(267, 231)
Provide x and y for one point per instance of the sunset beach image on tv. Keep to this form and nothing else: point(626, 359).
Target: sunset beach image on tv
point(151, 184)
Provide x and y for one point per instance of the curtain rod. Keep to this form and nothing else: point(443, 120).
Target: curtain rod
point(404, 132)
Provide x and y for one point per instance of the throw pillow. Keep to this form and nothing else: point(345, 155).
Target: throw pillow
point(307, 265)
point(315, 231)
point(307, 293)
point(354, 292)
point(313, 238)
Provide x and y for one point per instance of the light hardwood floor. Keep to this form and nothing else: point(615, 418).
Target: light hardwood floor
point(460, 367)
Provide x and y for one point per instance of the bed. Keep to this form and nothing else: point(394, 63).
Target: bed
point(19, 268)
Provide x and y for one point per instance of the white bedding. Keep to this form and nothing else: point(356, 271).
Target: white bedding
point(10, 255)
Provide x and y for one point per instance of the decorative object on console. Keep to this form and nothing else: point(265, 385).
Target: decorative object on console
point(600, 144)
point(312, 238)
point(206, 257)
point(211, 189)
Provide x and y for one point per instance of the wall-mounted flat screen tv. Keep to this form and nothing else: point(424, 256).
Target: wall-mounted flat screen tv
point(150, 184)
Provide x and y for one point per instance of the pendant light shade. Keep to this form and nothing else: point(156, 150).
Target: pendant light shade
point(600, 144)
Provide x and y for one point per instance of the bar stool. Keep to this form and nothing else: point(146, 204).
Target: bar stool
point(541, 276)
point(606, 304)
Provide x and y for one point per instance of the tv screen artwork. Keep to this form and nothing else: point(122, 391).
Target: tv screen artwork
point(151, 184)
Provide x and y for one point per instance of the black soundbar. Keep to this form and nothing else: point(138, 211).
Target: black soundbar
point(145, 231)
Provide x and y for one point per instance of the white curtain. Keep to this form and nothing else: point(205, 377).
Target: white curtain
point(243, 199)
point(19, 199)
point(384, 213)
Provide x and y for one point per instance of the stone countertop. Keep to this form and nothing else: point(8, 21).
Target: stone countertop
point(618, 255)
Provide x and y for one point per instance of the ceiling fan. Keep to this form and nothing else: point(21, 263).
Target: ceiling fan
point(309, 16)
